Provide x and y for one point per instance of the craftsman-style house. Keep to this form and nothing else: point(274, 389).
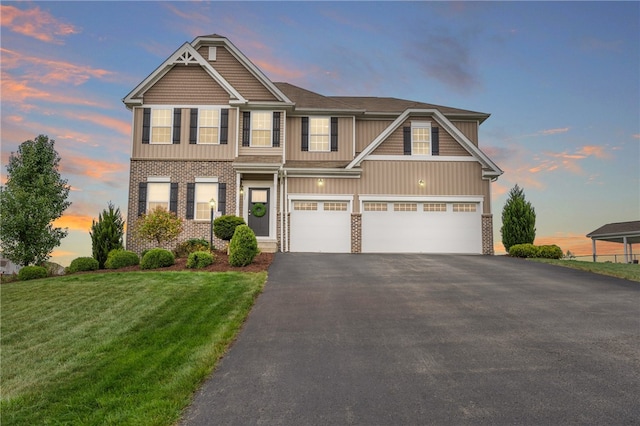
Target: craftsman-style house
point(307, 172)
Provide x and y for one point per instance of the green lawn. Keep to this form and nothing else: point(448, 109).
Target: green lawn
point(115, 348)
point(627, 271)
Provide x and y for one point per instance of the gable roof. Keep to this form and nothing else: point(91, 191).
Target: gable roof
point(617, 231)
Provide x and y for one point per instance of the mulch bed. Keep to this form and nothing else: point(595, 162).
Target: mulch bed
point(220, 264)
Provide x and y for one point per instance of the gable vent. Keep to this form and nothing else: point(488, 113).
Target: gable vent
point(212, 53)
point(186, 59)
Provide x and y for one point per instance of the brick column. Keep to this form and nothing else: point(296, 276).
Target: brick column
point(356, 233)
point(487, 234)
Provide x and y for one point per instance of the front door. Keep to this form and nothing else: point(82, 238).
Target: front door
point(259, 211)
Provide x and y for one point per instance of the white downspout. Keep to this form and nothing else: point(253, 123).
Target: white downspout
point(280, 175)
point(286, 211)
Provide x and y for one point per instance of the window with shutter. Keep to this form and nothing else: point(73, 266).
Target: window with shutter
point(305, 134)
point(276, 129)
point(224, 126)
point(208, 126)
point(246, 128)
point(319, 134)
point(177, 118)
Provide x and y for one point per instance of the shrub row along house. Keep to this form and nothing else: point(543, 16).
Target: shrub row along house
point(307, 172)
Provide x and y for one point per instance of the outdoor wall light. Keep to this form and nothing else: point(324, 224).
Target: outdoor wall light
point(421, 182)
point(320, 182)
point(241, 190)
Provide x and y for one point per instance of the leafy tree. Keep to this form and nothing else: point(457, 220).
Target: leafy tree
point(518, 220)
point(34, 196)
point(107, 233)
point(160, 225)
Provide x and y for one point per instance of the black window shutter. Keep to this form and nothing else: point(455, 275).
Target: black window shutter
point(276, 129)
point(435, 141)
point(305, 133)
point(173, 198)
point(191, 195)
point(177, 118)
point(193, 126)
point(246, 127)
point(142, 198)
point(407, 140)
point(146, 125)
point(222, 198)
point(224, 126)
point(334, 134)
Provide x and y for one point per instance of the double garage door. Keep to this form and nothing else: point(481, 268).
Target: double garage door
point(387, 227)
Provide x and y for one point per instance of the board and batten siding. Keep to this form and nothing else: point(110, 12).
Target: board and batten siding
point(469, 129)
point(237, 75)
point(184, 150)
point(294, 142)
point(394, 144)
point(186, 85)
point(261, 150)
point(367, 131)
point(389, 178)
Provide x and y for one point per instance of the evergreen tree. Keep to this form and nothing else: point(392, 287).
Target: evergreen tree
point(34, 196)
point(518, 220)
point(107, 233)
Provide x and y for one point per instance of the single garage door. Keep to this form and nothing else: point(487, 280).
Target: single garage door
point(320, 226)
point(421, 227)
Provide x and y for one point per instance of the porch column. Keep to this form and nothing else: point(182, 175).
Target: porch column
point(593, 248)
point(624, 241)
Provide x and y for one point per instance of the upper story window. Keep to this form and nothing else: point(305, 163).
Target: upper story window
point(161, 125)
point(421, 138)
point(319, 134)
point(208, 126)
point(261, 128)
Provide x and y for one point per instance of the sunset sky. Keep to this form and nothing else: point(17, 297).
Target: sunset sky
point(560, 80)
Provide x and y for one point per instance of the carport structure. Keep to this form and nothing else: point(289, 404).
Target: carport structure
point(627, 233)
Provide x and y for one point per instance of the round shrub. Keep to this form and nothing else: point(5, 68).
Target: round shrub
point(83, 264)
point(32, 273)
point(243, 247)
point(185, 248)
point(120, 258)
point(157, 258)
point(550, 252)
point(199, 259)
point(224, 226)
point(523, 250)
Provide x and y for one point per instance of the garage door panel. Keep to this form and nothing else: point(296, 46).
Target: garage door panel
point(320, 230)
point(421, 231)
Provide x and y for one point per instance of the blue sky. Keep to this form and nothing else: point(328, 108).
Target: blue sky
point(560, 80)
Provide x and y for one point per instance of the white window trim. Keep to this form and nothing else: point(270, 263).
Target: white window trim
point(200, 109)
point(151, 126)
point(422, 125)
point(210, 181)
point(162, 179)
point(252, 128)
point(328, 134)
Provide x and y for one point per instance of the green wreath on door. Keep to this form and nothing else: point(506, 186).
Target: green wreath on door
point(258, 210)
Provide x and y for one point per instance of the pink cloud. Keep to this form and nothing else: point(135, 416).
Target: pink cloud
point(35, 23)
point(72, 221)
point(91, 168)
point(554, 131)
point(120, 126)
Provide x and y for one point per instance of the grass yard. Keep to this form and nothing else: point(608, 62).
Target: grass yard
point(115, 348)
point(627, 271)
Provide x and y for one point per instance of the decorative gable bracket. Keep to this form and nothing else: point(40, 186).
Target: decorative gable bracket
point(186, 58)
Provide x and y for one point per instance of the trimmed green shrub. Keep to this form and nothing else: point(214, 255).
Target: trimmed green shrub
point(523, 250)
point(157, 258)
point(120, 258)
point(32, 273)
point(550, 252)
point(83, 264)
point(243, 247)
point(199, 259)
point(225, 226)
point(185, 248)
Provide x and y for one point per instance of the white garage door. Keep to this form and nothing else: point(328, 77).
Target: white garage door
point(421, 227)
point(320, 226)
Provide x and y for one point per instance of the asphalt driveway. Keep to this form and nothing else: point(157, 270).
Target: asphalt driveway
point(430, 339)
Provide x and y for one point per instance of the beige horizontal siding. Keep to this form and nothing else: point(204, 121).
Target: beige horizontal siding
point(237, 75)
point(394, 144)
point(401, 178)
point(184, 150)
point(469, 129)
point(186, 85)
point(294, 142)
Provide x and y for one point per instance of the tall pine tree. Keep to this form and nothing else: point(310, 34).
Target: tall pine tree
point(34, 196)
point(518, 220)
point(107, 233)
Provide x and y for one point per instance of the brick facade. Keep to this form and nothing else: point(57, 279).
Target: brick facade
point(487, 234)
point(356, 233)
point(182, 172)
